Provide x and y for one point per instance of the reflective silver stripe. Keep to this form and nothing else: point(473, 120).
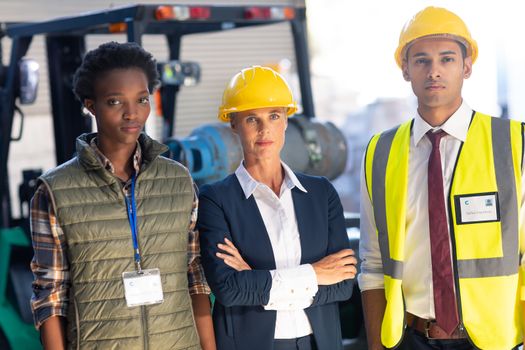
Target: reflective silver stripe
point(391, 267)
point(504, 167)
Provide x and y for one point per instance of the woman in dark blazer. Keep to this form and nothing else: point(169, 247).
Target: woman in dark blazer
point(273, 242)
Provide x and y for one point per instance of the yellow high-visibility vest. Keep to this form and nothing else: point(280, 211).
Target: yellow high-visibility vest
point(486, 252)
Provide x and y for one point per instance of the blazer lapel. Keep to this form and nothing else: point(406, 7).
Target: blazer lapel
point(303, 214)
point(255, 242)
point(262, 245)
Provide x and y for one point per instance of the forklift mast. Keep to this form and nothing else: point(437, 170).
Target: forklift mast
point(66, 46)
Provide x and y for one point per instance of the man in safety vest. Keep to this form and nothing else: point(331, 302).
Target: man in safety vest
point(442, 208)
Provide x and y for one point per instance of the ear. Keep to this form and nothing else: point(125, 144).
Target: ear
point(404, 69)
point(232, 125)
point(467, 67)
point(90, 106)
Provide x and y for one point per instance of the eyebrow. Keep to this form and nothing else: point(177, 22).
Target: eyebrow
point(276, 110)
point(121, 94)
point(442, 53)
point(448, 52)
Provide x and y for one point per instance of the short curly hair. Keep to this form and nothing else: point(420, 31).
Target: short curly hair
point(109, 56)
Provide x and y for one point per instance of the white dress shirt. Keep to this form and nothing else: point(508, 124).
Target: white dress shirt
point(293, 285)
point(417, 272)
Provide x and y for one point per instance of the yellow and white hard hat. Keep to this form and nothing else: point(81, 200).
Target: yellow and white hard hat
point(435, 22)
point(256, 87)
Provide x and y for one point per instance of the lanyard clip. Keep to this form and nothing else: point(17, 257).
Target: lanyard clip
point(137, 261)
point(138, 267)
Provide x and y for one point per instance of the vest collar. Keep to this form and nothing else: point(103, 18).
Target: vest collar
point(456, 126)
point(151, 149)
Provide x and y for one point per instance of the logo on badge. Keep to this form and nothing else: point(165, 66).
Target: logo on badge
point(467, 202)
point(489, 202)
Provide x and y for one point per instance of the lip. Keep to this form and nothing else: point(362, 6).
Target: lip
point(264, 143)
point(131, 128)
point(434, 87)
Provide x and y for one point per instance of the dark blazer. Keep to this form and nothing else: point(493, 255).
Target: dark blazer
point(240, 321)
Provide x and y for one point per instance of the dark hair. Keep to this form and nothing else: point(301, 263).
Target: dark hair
point(109, 56)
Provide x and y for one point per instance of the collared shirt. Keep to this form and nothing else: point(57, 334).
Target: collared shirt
point(417, 272)
point(293, 285)
point(50, 265)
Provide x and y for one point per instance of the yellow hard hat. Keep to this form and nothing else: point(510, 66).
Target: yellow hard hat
point(435, 22)
point(256, 87)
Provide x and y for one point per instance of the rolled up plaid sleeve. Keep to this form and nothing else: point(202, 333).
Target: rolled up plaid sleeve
point(196, 280)
point(49, 265)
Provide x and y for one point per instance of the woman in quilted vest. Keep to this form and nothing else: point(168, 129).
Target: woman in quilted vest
point(116, 256)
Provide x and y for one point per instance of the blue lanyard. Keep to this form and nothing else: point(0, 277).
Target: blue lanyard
point(132, 217)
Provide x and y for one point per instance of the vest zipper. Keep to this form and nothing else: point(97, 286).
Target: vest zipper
point(404, 322)
point(142, 311)
point(453, 246)
point(144, 326)
point(77, 322)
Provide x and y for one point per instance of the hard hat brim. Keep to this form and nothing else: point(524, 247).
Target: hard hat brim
point(224, 113)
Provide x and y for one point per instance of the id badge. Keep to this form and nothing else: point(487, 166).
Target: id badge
point(477, 208)
point(143, 288)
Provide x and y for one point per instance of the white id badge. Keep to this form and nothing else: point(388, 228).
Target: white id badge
point(143, 288)
point(477, 208)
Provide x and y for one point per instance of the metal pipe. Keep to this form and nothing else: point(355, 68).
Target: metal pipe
point(303, 65)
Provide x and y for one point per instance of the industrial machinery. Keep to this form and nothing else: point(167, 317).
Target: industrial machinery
point(213, 151)
point(210, 152)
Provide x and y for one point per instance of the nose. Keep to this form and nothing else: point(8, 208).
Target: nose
point(434, 71)
point(263, 127)
point(129, 111)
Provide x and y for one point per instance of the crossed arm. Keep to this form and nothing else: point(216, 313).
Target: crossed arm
point(331, 269)
point(234, 282)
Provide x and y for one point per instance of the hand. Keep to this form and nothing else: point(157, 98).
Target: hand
point(233, 259)
point(335, 267)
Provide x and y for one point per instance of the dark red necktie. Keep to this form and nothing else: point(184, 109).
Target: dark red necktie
point(442, 277)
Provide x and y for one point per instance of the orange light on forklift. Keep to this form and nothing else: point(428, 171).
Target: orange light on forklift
point(119, 27)
point(182, 13)
point(289, 13)
point(164, 12)
point(282, 13)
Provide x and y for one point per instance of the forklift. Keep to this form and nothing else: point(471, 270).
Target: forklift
point(211, 152)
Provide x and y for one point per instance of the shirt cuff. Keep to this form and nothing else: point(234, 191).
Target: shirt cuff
point(369, 281)
point(293, 288)
point(41, 315)
point(199, 288)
